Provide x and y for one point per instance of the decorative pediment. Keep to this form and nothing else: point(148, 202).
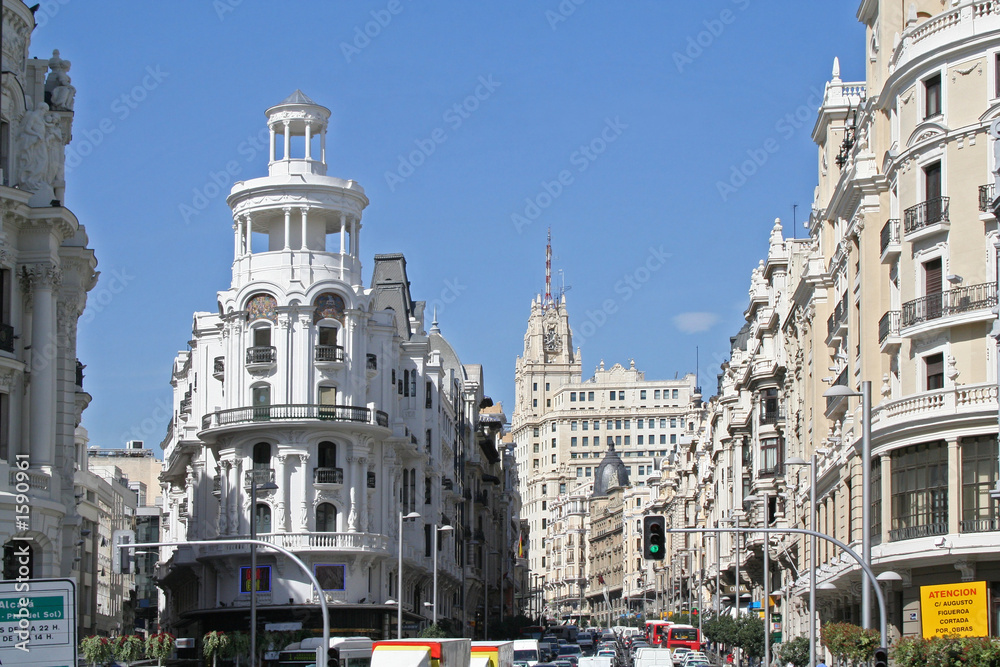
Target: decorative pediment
point(926, 131)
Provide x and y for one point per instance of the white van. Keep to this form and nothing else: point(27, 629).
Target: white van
point(526, 650)
point(653, 657)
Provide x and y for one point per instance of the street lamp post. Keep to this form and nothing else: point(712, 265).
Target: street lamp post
point(437, 529)
point(812, 463)
point(866, 486)
point(766, 601)
point(254, 489)
point(399, 575)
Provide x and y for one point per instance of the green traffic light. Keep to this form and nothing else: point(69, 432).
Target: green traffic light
point(654, 549)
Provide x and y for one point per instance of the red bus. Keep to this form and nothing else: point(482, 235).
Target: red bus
point(656, 633)
point(687, 636)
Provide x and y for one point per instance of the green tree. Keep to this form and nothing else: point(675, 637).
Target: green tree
point(795, 651)
point(750, 635)
point(720, 630)
point(433, 632)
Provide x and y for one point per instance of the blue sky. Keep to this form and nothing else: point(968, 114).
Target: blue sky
point(612, 123)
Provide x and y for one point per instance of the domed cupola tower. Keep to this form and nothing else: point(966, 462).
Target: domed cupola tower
point(297, 223)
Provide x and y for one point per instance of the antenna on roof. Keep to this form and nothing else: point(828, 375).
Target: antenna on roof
point(548, 271)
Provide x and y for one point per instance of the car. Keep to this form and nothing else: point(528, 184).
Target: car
point(563, 662)
point(679, 654)
point(693, 656)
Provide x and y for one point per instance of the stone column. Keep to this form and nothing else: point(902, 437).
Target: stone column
point(288, 224)
point(363, 493)
point(304, 483)
point(886, 462)
point(288, 140)
point(248, 223)
point(41, 279)
point(305, 215)
point(954, 485)
point(308, 140)
point(222, 519)
point(234, 497)
point(236, 238)
point(350, 484)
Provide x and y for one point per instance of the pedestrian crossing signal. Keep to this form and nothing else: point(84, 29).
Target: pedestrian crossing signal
point(654, 533)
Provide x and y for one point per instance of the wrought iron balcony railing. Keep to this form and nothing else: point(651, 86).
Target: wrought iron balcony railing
point(329, 353)
point(930, 212)
point(890, 234)
point(888, 325)
point(913, 532)
point(264, 354)
point(772, 416)
point(979, 525)
point(328, 475)
point(949, 302)
point(987, 193)
point(345, 413)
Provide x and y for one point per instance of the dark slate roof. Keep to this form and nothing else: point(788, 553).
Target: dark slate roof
point(392, 290)
point(611, 473)
point(298, 97)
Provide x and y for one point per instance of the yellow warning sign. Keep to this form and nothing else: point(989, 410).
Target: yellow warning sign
point(954, 610)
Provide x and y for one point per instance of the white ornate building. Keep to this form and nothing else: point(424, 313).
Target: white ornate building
point(343, 398)
point(46, 270)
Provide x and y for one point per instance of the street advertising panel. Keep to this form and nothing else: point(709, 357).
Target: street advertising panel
point(954, 610)
point(38, 623)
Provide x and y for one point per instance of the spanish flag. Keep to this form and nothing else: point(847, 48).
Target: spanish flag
point(520, 545)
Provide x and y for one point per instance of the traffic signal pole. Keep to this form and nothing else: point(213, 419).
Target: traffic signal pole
point(321, 656)
point(883, 639)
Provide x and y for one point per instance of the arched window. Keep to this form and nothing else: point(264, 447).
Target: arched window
point(263, 518)
point(403, 492)
point(327, 455)
point(261, 396)
point(326, 518)
point(18, 560)
point(262, 456)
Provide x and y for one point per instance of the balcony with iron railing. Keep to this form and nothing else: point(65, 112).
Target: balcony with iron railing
point(261, 355)
point(6, 338)
point(268, 413)
point(771, 470)
point(889, 245)
point(979, 525)
point(836, 324)
point(316, 541)
point(888, 329)
point(328, 475)
point(330, 353)
point(987, 193)
point(925, 215)
point(261, 475)
point(948, 303)
point(772, 417)
point(913, 532)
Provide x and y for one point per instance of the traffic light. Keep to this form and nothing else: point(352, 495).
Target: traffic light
point(881, 657)
point(654, 537)
point(121, 558)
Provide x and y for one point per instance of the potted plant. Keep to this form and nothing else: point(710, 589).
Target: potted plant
point(238, 647)
point(127, 648)
point(160, 646)
point(214, 645)
point(96, 650)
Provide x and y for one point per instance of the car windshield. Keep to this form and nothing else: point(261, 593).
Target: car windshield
point(569, 649)
point(525, 655)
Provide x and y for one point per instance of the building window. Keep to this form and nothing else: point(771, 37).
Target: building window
point(544, 524)
point(534, 404)
point(642, 394)
point(562, 486)
point(534, 386)
point(618, 424)
point(611, 395)
point(586, 441)
point(618, 441)
point(429, 396)
point(579, 472)
point(610, 441)
point(553, 443)
point(610, 425)
point(673, 438)
point(590, 396)
point(546, 386)
point(553, 459)
point(262, 456)
point(14, 555)
point(675, 394)
point(572, 397)
point(934, 366)
point(639, 440)
point(535, 448)
point(572, 441)
point(656, 394)
point(621, 396)
point(642, 470)
point(919, 491)
point(876, 507)
point(586, 425)
point(548, 402)
point(597, 425)
point(932, 96)
point(979, 476)
point(771, 456)
point(534, 463)
point(326, 518)
point(572, 426)
point(587, 471)
point(263, 518)
point(327, 455)
point(627, 441)
point(663, 439)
